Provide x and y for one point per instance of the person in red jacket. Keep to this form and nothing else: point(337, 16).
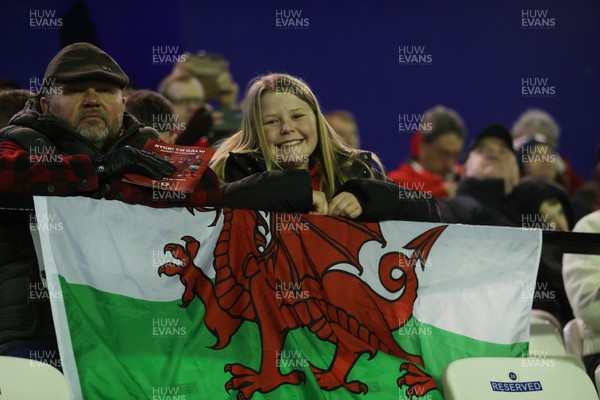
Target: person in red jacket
point(433, 166)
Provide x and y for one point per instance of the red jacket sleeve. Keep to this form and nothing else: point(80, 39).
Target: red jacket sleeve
point(25, 174)
point(206, 193)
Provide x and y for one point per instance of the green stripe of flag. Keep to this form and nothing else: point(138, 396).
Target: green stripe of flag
point(131, 348)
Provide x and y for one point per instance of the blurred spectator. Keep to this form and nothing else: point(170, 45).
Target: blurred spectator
point(536, 196)
point(185, 93)
point(11, 102)
point(344, 124)
point(8, 84)
point(491, 173)
point(538, 159)
point(433, 165)
point(535, 123)
point(581, 274)
point(587, 198)
point(153, 109)
point(209, 125)
point(206, 127)
point(194, 116)
point(212, 70)
point(546, 205)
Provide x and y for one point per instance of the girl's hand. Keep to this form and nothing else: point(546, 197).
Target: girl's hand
point(319, 202)
point(345, 204)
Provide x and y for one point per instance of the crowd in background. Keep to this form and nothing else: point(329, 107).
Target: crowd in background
point(505, 177)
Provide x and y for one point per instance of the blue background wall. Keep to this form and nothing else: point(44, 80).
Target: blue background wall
point(348, 53)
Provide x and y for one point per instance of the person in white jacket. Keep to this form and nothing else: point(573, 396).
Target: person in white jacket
point(581, 274)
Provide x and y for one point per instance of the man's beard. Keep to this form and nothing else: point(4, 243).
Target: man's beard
point(95, 134)
point(99, 134)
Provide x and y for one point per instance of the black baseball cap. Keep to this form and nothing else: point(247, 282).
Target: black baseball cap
point(495, 131)
point(80, 61)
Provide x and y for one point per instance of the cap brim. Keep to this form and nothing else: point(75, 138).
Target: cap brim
point(92, 75)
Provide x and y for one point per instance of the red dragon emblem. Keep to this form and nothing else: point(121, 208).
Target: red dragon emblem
point(248, 271)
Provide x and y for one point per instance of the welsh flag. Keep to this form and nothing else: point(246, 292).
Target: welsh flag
point(238, 304)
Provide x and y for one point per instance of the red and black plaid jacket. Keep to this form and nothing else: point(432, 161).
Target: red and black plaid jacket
point(39, 155)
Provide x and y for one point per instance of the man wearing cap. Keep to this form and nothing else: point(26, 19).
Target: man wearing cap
point(491, 172)
point(74, 138)
point(77, 122)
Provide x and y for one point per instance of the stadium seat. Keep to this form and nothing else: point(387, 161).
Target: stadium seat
point(573, 339)
point(545, 335)
point(24, 379)
point(541, 314)
point(499, 378)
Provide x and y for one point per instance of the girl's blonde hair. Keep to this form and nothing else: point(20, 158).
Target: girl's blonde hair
point(331, 153)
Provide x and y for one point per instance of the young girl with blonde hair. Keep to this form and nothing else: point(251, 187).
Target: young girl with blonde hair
point(286, 157)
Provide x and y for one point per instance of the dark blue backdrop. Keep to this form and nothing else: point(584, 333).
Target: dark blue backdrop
point(348, 53)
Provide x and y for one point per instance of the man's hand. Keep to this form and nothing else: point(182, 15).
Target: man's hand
point(346, 205)
point(319, 202)
point(131, 160)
